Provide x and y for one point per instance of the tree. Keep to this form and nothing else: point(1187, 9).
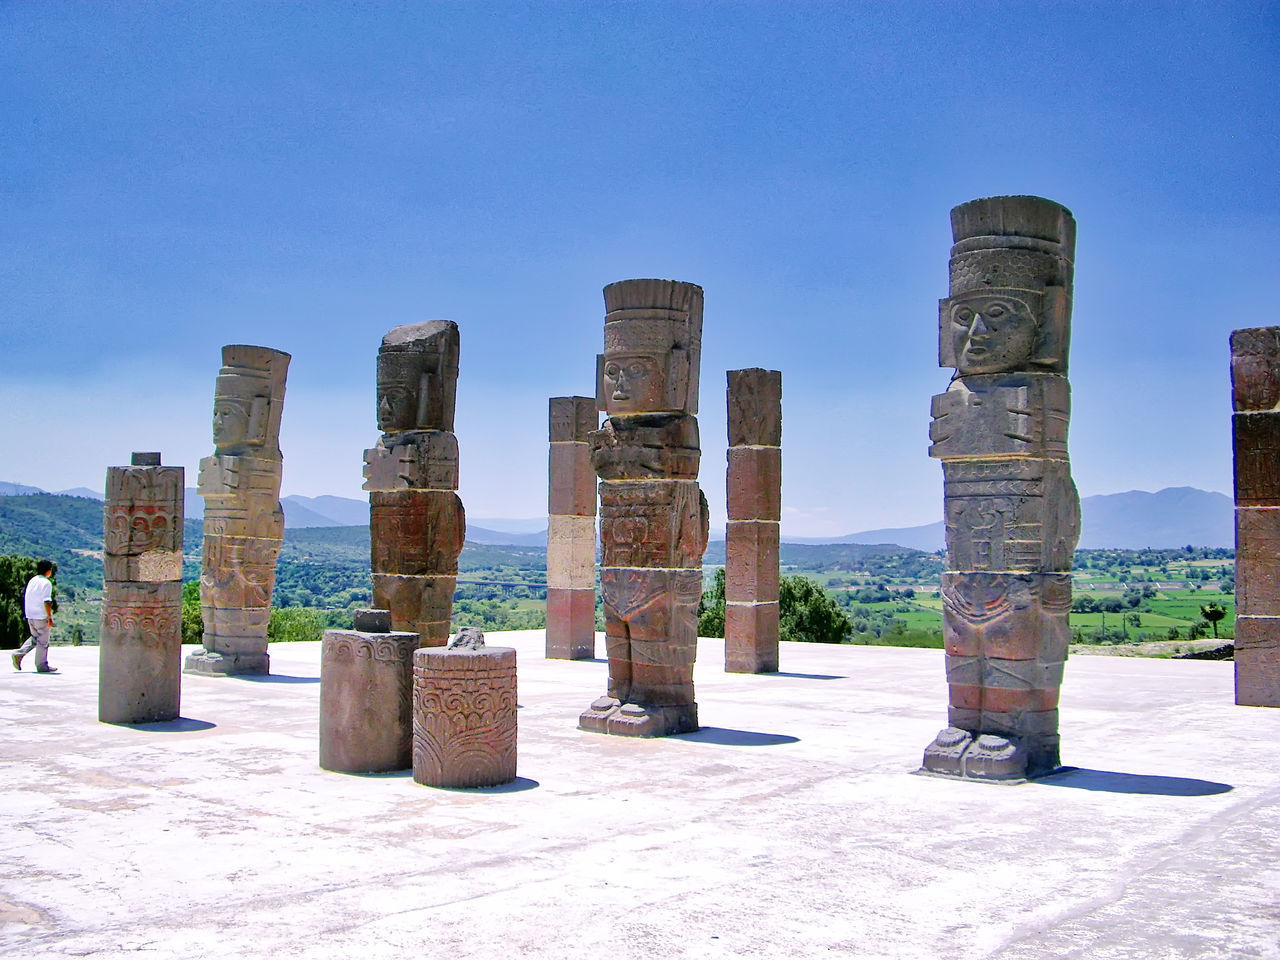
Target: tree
point(1213, 612)
point(711, 608)
point(14, 573)
point(806, 612)
point(192, 624)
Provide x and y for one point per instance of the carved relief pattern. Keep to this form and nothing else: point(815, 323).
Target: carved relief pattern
point(653, 516)
point(1011, 509)
point(464, 718)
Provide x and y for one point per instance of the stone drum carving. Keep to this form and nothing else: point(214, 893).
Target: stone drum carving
point(366, 696)
point(1011, 509)
point(1255, 394)
point(417, 523)
point(464, 714)
point(571, 531)
point(140, 653)
point(755, 509)
point(653, 516)
point(243, 521)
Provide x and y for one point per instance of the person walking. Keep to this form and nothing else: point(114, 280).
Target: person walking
point(38, 603)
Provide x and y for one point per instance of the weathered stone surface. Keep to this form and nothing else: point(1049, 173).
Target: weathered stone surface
point(418, 377)
point(755, 407)
point(1257, 561)
point(366, 701)
point(1255, 369)
point(751, 561)
point(753, 628)
point(573, 614)
point(407, 461)
point(142, 524)
point(755, 483)
point(571, 552)
point(243, 520)
point(647, 446)
point(572, 487)
point(1257, 661)
point(571, 419)
point(467, 638)
point(371, 621)
point(652, 523)
point(1011, 509)
point(422, 604)
point(652, 348)
point(416, 532)
point(464, 717)
point(1256, 444)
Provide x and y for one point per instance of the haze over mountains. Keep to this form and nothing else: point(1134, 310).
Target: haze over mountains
point(1173, 517)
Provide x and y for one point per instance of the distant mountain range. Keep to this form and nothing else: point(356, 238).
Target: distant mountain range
point(1173, 517)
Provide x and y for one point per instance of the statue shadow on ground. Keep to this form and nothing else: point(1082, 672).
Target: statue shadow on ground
point(736, 738)
point(275, 678)
point(518, 785)
point(180, 725)
point(804, 676)
point(1109, 781)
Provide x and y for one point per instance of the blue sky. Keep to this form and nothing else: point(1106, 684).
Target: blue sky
point(174, 177)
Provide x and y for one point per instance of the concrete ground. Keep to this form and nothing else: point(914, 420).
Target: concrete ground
point(790, 826)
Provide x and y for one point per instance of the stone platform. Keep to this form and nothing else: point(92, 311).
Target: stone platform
point(791, 825)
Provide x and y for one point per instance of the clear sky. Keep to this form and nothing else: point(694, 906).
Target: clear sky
point(174, 177)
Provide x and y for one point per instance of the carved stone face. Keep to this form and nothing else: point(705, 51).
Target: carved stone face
point(992, 334)
point(634, 382)
point(400, 381)
point(230, 422)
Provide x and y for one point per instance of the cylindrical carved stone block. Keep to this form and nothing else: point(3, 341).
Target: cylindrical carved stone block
point(1011, 510)
point(1255, 390)
point(464, 717)
point(140, 651)
point(571, 530)
point(366, 697)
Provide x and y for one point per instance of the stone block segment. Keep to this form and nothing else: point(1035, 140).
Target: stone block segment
point(571, 529)
point(140, 645)
point(243, 520)
point(464, 717)
point(1011, 509)
point(1255, 389)
point(653, 516)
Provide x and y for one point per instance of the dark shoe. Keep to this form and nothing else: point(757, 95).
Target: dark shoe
point(17, 661)
point(46, 669)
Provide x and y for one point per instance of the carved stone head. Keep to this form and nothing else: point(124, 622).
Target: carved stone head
point(652, 348)
point(1011, 271)
point(418, 377)
point(248, 400)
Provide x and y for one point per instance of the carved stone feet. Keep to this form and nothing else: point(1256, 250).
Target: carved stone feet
point(609, 715)
point(988, 756)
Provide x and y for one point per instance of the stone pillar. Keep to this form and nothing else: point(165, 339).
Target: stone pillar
point(243, 521)
point(755, 509)
point(1255, 394)
point(1011, 510)
point(571, 531)
point(140, 651)
point(464, 717)
point(417, 524)
point(366, 696)
point(653, 516)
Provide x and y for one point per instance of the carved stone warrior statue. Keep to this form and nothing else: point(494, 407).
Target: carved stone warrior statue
point(243, 521)
point(1011, 509)
point(653, 516)
point(140, 674)
point(417, 523)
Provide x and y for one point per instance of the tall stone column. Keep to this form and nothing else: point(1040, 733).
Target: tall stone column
point(653, 516)
point(140, 651)
point(417, 524)
point(1011, 510)
point(571, 531)
point(243, 520)
point(755, 509)
point(1255, 394)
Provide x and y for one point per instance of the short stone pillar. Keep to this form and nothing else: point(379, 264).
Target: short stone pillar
point(571, 531)
point(752, 537)
point(140, 651)
point(366, 696)
point(1255, 395)
point(464, 716)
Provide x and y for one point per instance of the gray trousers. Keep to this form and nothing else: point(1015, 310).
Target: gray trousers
point(39, 642)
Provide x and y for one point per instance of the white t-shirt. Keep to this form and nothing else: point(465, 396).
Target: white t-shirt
point(39, 589)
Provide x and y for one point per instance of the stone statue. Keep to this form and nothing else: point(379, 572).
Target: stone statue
point(243, 521)
point(653, 516)
point(571, 530)
point(417, 523)
point(1011, 509)
point(1255, 393)
point(755, 508)
point(140, 653)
